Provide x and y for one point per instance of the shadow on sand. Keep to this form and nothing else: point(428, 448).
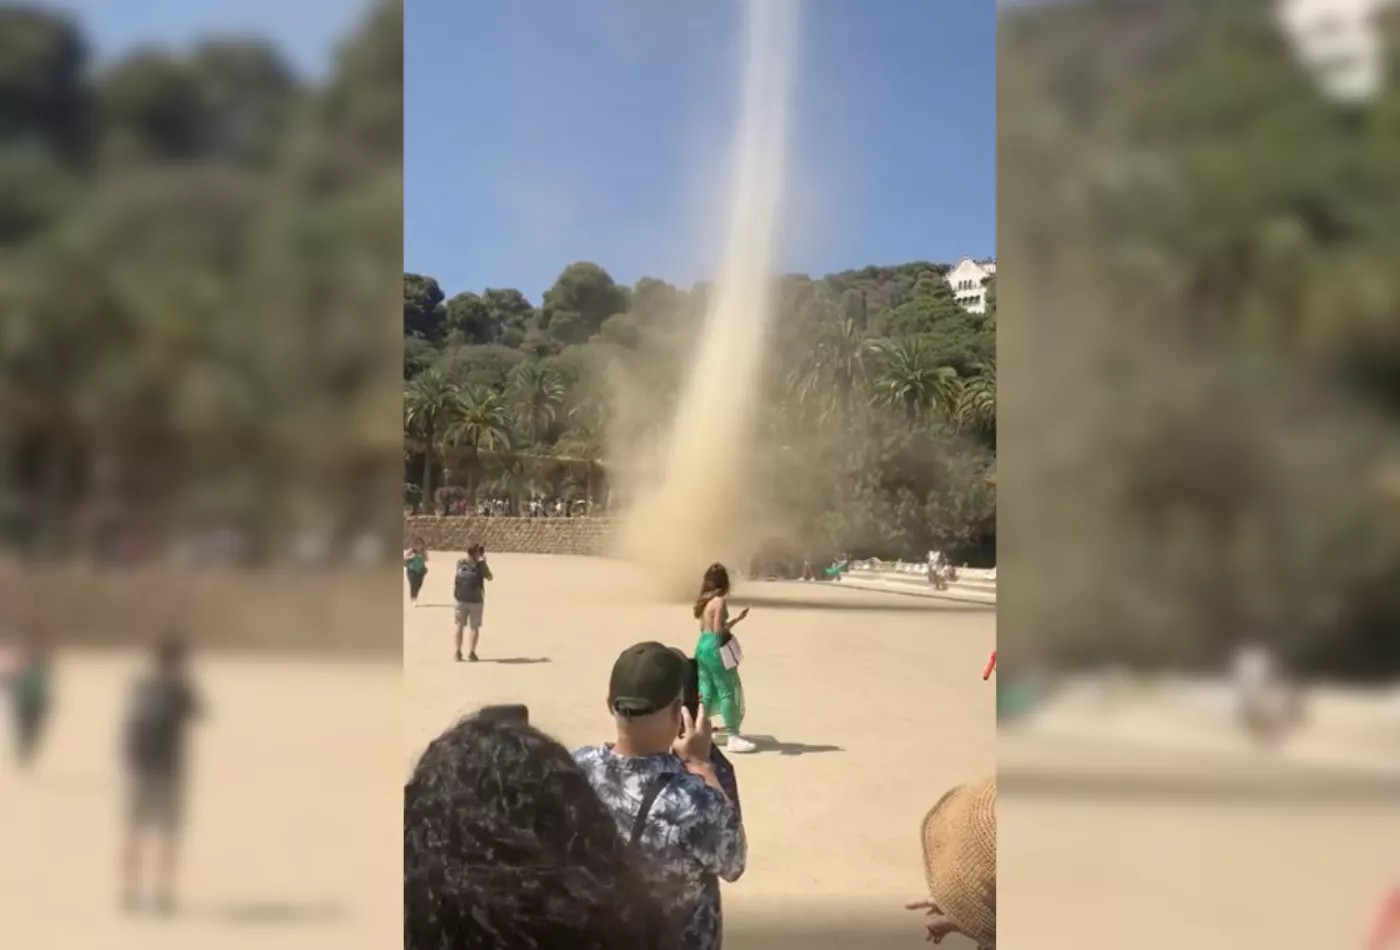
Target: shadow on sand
point(767, 744)
point(268, 913)
point(906, 603)
point(515, 660)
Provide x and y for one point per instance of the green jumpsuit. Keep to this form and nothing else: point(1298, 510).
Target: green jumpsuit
point(720, 689)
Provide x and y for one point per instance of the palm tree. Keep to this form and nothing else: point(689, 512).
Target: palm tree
point(432, 404)
point(516, 477)
point(537, 393)
point(835, 368)
point(910, 378)
point(482, 424)
point(585, 440)
point(977, 400)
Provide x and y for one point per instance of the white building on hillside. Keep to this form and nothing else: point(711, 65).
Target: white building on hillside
point(1341, 42)
point(968, 280)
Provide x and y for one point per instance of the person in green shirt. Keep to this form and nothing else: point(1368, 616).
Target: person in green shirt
point(415, 567)
point(30, 687)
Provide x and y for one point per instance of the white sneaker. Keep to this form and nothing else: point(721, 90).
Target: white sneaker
point(738, 743)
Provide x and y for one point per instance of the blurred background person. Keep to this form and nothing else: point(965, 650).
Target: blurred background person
point(415, 566)
point(28, 679)
point(1268, 702)
point(163, 703)
point(506, 847)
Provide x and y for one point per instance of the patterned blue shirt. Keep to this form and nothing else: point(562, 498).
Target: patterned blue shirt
point(724, 772)
point(693, 836)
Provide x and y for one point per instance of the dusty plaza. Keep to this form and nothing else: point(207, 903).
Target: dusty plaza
point(868, 704)
point(867, 707)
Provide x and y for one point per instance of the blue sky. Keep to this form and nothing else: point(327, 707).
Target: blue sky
point(307, 31)
point(543, 132)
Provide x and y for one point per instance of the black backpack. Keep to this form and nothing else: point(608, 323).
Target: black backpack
point(151, 723)
point(468, 582)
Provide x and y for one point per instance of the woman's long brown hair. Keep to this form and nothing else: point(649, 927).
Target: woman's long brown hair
point(715, 584)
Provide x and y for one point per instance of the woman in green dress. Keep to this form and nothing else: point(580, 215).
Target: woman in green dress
point(721, 690)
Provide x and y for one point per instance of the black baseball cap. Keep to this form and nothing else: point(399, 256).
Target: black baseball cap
point(646, 679)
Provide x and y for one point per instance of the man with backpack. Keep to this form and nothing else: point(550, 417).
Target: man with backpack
point(163, 703)
point(663, 791)
point(469, 591)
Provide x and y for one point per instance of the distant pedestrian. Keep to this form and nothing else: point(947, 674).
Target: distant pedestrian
point(469, 592)
point(163, 704)
point(29, 682)
point(415, 568)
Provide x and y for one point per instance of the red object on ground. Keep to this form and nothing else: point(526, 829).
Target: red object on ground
point(991, 665)
point(1387, 922)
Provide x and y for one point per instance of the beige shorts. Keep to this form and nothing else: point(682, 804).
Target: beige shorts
point(469, 615)
point(155, 800)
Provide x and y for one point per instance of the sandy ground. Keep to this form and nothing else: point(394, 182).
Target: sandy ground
point(1206, 841)
point(873, 702)
point(294, 816)
point(294, 834)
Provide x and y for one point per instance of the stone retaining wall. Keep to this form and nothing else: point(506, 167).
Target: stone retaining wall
point(583, 536)
point(344, 611)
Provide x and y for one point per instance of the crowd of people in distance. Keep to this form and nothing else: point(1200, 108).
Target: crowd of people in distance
point(531, 508)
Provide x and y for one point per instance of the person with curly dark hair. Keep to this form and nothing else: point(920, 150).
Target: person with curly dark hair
point(507, 847)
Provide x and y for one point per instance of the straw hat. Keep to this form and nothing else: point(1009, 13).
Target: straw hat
point(960, 858)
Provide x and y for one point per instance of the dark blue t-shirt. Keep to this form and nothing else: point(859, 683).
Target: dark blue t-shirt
point(161, 709)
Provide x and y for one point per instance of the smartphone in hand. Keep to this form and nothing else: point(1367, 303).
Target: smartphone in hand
point(690, 694)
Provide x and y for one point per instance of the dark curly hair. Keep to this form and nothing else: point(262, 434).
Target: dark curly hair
point(506, 846)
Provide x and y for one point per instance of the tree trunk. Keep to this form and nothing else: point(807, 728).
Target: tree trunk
point(428, 503)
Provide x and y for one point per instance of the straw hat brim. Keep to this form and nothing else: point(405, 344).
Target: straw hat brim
point(960, 858)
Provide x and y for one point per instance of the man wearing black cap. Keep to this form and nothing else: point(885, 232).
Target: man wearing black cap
point(662, 790)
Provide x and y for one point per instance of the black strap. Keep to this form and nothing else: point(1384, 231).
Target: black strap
point(654, 788)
